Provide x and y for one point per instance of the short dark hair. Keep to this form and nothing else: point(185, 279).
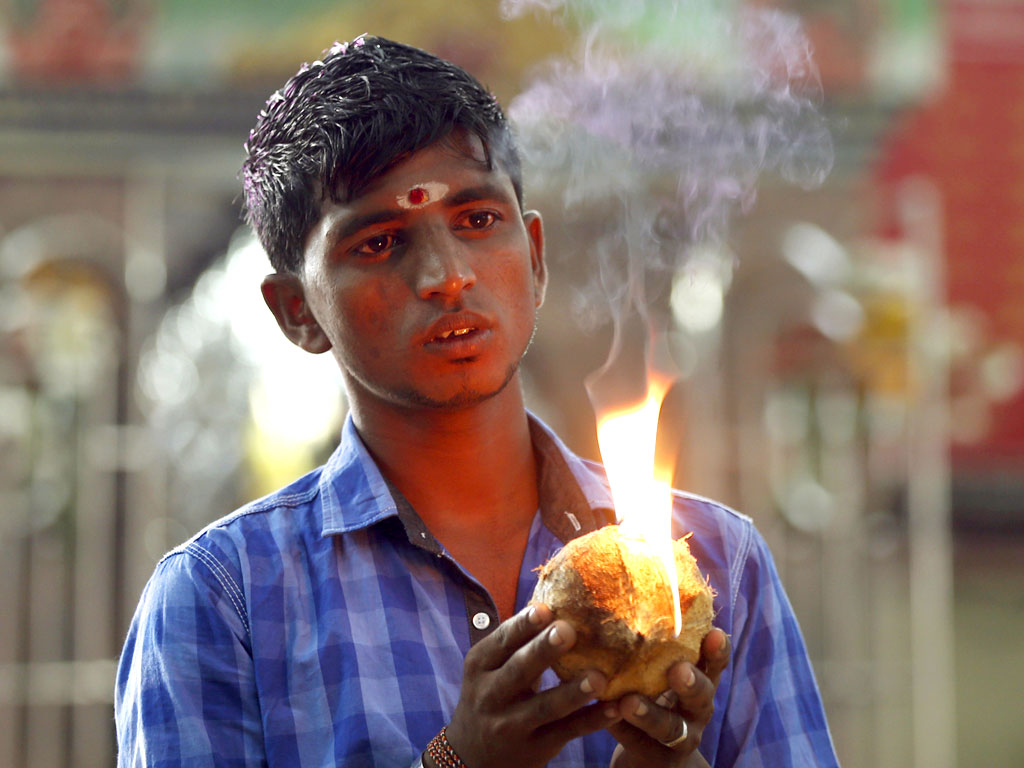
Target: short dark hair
point(342, 121)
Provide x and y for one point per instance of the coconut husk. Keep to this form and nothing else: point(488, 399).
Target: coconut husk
point(616, 596)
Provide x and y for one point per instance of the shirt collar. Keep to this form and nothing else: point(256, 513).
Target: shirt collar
point(574, 499)
point(354, 494)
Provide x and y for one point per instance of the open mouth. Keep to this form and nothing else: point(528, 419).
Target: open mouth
point(457, 333)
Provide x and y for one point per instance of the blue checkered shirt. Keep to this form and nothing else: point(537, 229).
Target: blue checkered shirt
point(324, 625)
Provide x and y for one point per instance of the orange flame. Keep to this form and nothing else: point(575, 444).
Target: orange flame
point(641, 491)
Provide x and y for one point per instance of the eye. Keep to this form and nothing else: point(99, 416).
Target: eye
point(376, 245)
point(477, 220)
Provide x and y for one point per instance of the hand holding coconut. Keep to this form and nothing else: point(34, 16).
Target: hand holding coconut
point(647, 726)
point(618, 598)
point(608, 638)
point(501, 720)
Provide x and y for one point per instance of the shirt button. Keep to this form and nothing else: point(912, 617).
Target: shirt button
point(481, 620)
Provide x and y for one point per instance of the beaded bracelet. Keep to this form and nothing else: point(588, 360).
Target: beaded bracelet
point(442, 753)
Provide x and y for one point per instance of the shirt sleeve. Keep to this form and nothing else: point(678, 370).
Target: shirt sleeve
point(774, 714)
point(185, 692)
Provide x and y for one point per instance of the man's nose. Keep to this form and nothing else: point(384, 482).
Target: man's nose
point(443, 269)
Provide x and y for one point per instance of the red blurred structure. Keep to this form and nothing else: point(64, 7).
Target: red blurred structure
point(77, 41)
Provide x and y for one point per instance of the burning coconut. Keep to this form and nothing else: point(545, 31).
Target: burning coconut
point(637, 599)
point(616, 593)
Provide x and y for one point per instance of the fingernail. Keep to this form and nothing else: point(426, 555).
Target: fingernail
point(532, 616)
point(586, 686)
point(554, 637)
point(720, 640)
point(611, 712)
point(640, 709)
point(725, 644)
point(689, 678)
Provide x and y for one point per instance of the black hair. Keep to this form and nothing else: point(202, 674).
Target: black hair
point(342, 121)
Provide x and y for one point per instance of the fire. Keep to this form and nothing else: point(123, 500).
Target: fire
point(641, 491)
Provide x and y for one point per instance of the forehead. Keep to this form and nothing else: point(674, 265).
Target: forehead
point(457, 155)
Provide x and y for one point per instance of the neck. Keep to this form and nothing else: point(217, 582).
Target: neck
point(465, 466)
point(469, 474)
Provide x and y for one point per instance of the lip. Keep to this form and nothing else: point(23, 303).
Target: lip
point(463, 344)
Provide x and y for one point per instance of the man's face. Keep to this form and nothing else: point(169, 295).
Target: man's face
point(427, 284)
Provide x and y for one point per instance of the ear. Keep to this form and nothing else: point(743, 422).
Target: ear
point(535, 232)
point(286, 298)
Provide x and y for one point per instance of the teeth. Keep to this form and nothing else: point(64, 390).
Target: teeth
point(457, 332)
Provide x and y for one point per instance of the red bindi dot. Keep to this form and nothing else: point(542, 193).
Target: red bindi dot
point(417, 195)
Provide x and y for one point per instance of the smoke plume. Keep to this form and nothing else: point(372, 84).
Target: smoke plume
point(659, 128)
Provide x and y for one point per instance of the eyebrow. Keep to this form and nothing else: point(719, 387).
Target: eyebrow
point(475, 194)
point(342, 232)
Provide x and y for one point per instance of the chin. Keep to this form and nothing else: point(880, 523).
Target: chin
point(458, 401)
point(466, 394)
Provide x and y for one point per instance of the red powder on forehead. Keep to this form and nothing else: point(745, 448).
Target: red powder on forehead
point(417, 195)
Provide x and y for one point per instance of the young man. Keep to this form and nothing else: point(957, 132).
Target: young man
point(374, 611)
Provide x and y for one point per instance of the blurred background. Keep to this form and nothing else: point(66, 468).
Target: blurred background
point(853, 376)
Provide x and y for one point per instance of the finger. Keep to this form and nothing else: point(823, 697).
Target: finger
point(557, 703)
point(589, 719)
point(715, 652)
point(527, 663)
point(495, 649)
point(694, 691)
point(661, 724)
point(668, 699)
point(637, 748)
